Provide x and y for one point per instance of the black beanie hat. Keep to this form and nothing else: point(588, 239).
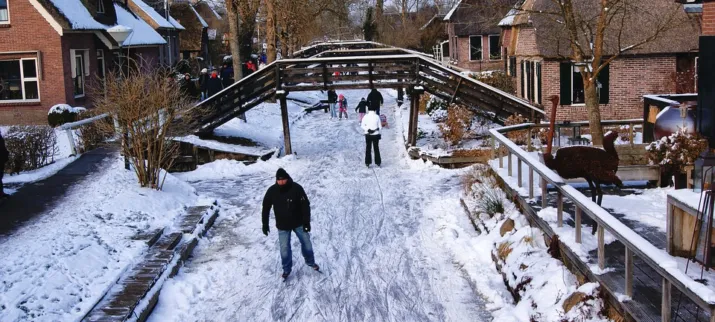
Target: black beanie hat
point(282, 174)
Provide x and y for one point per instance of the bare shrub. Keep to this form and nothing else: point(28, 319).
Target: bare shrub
point(497, 79)
point(481, 186)
point(458, 124)
point(148, 109)
point(519, 137)
point(92, 135)
point(30, 147)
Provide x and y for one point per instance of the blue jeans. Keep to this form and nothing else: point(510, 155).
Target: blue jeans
point(305, 247)
point(333, 112)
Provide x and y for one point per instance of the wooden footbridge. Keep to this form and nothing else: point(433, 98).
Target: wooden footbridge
point(360, 65)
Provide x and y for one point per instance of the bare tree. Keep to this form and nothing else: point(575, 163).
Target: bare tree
point(233, 27)
point(149, 108)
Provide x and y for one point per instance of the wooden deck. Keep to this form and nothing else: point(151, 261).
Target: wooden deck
point(137, 291)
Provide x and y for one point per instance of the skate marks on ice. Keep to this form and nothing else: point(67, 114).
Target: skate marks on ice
point(370, 237)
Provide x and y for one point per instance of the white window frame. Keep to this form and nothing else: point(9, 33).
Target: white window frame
point(6, 22)
point(481, 41)
point(501, 55)
point(84, 54)
point(23, 80)
point(100, 6)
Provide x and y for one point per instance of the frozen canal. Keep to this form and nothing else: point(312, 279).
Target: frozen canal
point(379, 235)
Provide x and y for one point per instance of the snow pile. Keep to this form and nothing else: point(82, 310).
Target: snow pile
point(542, 287)
point(60, 108)
point(57, 266)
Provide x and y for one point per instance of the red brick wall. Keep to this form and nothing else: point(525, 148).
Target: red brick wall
point(526, 42)
point(477, 65)
point(79, 41)
point(708, 25)
point(630, 78)
point(28, 30)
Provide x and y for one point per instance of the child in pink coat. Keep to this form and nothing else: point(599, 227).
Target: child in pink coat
point(342, 106)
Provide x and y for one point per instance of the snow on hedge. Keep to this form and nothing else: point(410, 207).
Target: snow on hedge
point(60, 108)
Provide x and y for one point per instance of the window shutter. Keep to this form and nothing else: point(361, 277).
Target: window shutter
point(566, 72)
point(523, 78)
point(86, 63)
point(538, 82)
point(603, 78)
point(73, 64)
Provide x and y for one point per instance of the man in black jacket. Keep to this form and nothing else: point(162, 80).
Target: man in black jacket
point(292, 211)
point(374, 100)
point(4, 155)
point(332, 100)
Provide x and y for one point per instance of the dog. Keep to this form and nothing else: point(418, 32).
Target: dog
point(383, 120)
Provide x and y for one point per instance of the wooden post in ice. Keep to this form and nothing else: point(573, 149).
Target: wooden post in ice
point(601, 249)
point(665, 304)
point(508, 163)
point(544, 193)
point(559, 209)
point(577, 224)
point(284, 116)
point(528, 140)
point(414, 113)
point(531, 182)
point(629, 272)
point(518, 171)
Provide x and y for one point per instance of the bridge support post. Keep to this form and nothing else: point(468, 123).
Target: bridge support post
point(414, 112)
point(281, 94)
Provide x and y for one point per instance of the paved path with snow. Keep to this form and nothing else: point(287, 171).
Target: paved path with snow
point(375, 236)
point(35, 198)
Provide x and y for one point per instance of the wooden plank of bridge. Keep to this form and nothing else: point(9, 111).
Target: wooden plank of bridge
point(629, 272)
point(577, 224)
point(284, 117)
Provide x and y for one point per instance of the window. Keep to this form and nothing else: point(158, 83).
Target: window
point(475, 47)
point(100, 6)
point(4, 15)
point(494, 47)
point(572, 86)
point(512, 66)
point(531, 81)
point(79, 60)
point(18, 80)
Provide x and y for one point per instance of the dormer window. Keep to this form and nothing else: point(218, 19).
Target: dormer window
point(100, 6)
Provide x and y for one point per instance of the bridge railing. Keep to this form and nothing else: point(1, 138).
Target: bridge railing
point(662, 263)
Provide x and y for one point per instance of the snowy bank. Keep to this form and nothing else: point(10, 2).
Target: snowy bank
point(57, 266)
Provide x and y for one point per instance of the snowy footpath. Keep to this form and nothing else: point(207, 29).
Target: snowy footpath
point(393, 243)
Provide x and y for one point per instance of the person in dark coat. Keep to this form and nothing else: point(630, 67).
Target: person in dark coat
point(361, 108)
point(332, 100)
point(4, 156)
point(203, 79)
point(188, 88)
point(213, 85)
point(375, 101)
point(292, 212)
point(226, 75)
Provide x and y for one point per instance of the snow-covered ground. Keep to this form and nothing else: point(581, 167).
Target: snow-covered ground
point(62, 159)
point(56, 266)
point(393, 243)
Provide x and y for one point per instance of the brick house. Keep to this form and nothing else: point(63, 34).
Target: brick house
point(52, 50)
point(217, 28)
point(474, 36)
point(164, 24)
point(539, 63)
point(193, 41)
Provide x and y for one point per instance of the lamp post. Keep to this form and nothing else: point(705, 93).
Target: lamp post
point(120, 34)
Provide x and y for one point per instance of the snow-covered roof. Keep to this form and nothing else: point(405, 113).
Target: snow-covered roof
point(451, 12)
point(77, 14)
point(176, 24)
point(508, 20)
point(160, 21)
point(215, 13)
point(142, 32)
point(203, 22)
